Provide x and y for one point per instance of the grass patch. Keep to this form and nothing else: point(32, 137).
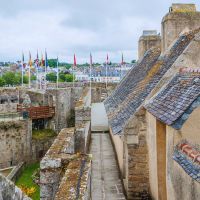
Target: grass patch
point(43, 134)
point(26, 179)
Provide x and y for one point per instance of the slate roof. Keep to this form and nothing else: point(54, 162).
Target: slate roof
point(190, 167)
point(140, 81)
point(177, 100)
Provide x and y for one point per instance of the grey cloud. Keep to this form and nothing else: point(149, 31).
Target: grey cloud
point(82, 26)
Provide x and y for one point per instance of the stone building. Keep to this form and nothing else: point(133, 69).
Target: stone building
point(181, 17)
point(127, 116)
point(173, 123)
point(149, 39)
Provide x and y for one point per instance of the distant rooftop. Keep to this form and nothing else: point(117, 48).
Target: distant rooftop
point(178, 7)
point(149, 32)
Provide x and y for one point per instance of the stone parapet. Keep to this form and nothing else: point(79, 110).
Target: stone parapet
point(9, 191)
point(54, 162)
point(75, 183)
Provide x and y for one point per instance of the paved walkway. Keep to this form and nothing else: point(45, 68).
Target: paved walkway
point(105, 175)
point(106, 184)
point(99, 118)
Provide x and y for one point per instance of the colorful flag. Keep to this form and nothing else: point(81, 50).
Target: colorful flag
point(37, 60)
point(74, 60)
point(30, 61)
point(46, 60)
point(42, 61)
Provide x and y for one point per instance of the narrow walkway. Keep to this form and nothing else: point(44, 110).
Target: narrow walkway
point(99, 120)
point(106, 184)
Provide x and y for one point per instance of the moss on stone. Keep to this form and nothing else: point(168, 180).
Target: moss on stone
point(43, 134)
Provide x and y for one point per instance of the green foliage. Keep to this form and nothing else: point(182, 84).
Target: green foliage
point(2, 82)
point(62, 77)
point(65, 77)
point(33, 78)
point(26, 179)
point(52, 62)
point(10, 78)
point(69, 78)
point(43, 134)
point(25, 79)
point(51, 77)
point(133, 61)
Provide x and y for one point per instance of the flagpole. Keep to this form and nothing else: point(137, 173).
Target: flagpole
point(45, 70)
point(36, 65)
point(107, 72)
point(73, 75)
point(22, 69)
point(29, 76)
point(29, 71)
point(91, 77)
point(57, 74)
point(73, 68)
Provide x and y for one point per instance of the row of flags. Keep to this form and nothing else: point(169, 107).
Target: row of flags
point(44, 62)
point(37, 62)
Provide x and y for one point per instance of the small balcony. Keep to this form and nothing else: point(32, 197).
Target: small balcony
point(36, 112)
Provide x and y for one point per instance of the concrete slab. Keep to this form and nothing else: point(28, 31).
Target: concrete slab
point(99, 118)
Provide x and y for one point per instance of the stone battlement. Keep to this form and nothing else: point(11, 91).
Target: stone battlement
point(178, 7)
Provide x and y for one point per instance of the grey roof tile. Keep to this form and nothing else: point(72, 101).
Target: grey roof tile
point(140, 81)
point(176, 101)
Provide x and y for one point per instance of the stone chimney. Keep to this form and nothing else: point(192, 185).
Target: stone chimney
point(149, 39)
point(179, 18)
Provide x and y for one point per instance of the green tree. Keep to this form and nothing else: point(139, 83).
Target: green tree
point(69, 78)
point(25, 79)
point(62, 77)
point(52, 62)
point(51, 77)
point(33, 78)
point(9, 78)
point(2, 82)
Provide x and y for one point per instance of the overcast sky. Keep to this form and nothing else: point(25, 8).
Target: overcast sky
point(65, 27)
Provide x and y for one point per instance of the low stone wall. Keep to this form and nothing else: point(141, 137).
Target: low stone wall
point(62, 171)
point(82, 137)
point(16, 172)
point(53, 164)
point(76, 181)
point(39, 148)
point(8, 190)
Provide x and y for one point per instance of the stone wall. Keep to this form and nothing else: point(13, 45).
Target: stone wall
point(39, 148)
point(8, 190)
point(62, 100)
point(137, 175)
point(15, 142)
point(68, 188)
point(9, 98)
point(82, 137)
point(61, 169)
point(148, 41)
point(52, 165)
point(176, 22)
point(96, 95)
